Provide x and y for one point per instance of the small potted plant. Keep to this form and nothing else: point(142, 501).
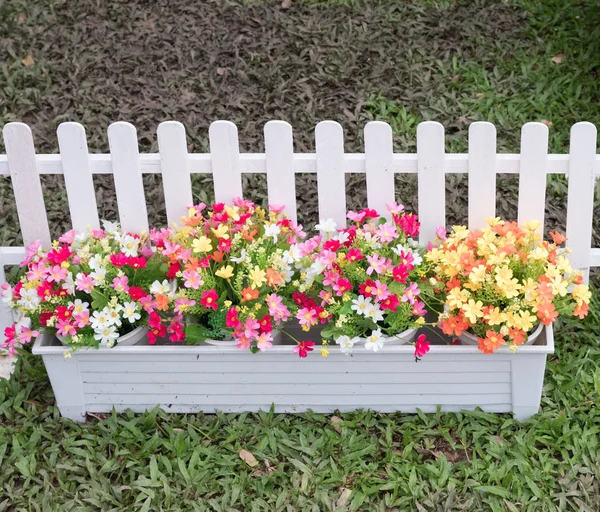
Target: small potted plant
point(93, 288)
point(233, 270)
point(365, 281)
point(500, 285)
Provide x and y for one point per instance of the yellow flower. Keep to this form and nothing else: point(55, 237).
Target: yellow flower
point(539, 254)
point(457, 297)
point(559, 286)
point(511, 288)
point(192, 211)
point(564, 265)
point(225, 272)
point(494, 316)
point(472, 310)
point(460, 232)
point(324, 352)
point(582, 294)
point(202, 244)
point(257, 277)
point(221, 231)
point(532, 225)
point(493, 221)
point(503, 275)
point(227, 303)
point(420, 321)
point(529, 290)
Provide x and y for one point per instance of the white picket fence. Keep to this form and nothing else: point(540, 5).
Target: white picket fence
point(281, 164)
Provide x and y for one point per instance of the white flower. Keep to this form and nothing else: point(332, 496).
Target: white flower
point(130, 312)
point(346, 344)
point(29, 299)
point(315, 269)
point(129, 245)
point(374, 313)
point(113, 315)
point(110, 227)
point(100, 319)
point(78, 306)
point(99, 276)
point(95, 262)
point(413, 243)
point(292, 255)
point(164, 288)
point(375, 341)
point(69, 284)
point(362, 305)
point(287, 274)
point(241, 258)
point(272, 231)
point(326, 227)
point(106, 335)
point(342, 237)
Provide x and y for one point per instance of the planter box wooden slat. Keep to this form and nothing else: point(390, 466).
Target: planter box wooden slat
point(207, 378)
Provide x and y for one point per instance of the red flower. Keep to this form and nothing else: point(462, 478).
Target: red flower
point(265, 324)
point(304, 347)
point(408, 223)
point(57, 256)
point(390, 303)
point(421, 346)
point(136, 293)
point(63, 313)
point(366, 288)
point(118, 260)
point(154, 320)
point(370, 213)
point(218, 207)
point(231, 318)
point(176, 331)
point(400, 273)
point(17, 290)
point(331, 245)
point(209, 299)
point(354, 255)
point(44, 317)
point(173, 269)
point(343, 285)
point(44, 290)
point(136, 261)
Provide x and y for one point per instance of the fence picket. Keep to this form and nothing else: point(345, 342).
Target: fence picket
point(281, 178)
point(329, 143)
point(532, 173)
point(72, 143)
point(26, 184)
point(225, 156)
point(175, 169)
point(431, 179)
point(580, 203)
point(379, 155)
point(125, 157)
point(482, 173)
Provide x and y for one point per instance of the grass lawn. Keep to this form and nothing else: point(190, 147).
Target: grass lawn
point(508, 62)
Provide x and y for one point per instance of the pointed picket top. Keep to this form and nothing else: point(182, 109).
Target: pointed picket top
point(127, 172)
point(175, 169)
point(26, 184)
point(329, 143)
point(281, 176)
point(482, 173)
point(225, 155)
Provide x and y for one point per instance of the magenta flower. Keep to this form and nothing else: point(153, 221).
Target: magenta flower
point(410, 293)
point(64, 328)
point(307, 317)
point(380, 291)
point(422, 346)
point(418, 308)
point(32, 250)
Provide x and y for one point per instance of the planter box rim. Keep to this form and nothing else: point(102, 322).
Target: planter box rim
point(43, 346)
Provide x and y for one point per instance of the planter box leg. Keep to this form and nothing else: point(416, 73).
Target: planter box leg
point(67, 385)
point(527, 384)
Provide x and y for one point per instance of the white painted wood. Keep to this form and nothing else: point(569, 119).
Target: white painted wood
point(225, 154)
point(482, 173)
point(431, 179)
point(329, 144)
point(26, 184)
point(79, 183)
point(532, 173)
point(174, 164)
point(206, 378)
point(129, 187)
point(6, 316)
point(67, 385)
point(379, 156)
point(580, 207)
point(279, 154)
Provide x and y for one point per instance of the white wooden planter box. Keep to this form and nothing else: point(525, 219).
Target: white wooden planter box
point(188, 379)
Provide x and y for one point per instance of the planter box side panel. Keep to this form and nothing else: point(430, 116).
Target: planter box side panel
point(67, 385)
point(245, 382)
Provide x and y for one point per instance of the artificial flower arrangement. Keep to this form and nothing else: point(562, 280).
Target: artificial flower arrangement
point(365, 280)
point(502, 282)
point(92, 288)
point(233, 269)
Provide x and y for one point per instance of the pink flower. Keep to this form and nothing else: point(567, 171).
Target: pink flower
point(176, 331)
point(192, 279)
point(56, 274)
point(64, 328)
point(68, 237)
point(84, 283)
point(356, 217)
point(304, 347)
point(325, 297)
point(421, 346)
point(251, 327)
point(37, 271)
point(276, 208)
point(342, 286)
point(32, 250)
point(380, 291)
point(387, 232)
point(26, 334)
point(407, 259)
point(98, 234)
point(120, 284)
point(264, 341)
point(377, 264)
point(307, 317)
point(331, 277)
point(410, 293)
point(394, 208)
point(241, 341)
point(327, 258)
point(183, 304)
point(147, 303)
point(277, 309)
point(81, 319)
point(418, 308)
point(209, 299)
point(354, 255)
point(440, 231)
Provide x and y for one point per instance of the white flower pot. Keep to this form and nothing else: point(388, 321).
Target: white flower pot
point(127, 340)
point(230, 342)
point(466, 338)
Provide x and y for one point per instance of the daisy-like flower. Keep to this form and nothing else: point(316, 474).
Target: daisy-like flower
point(375, 341)
point(327, 227)
point(106, 335)
point(114, 318)
point(362, 305)
point(130, 312)
point(84, 282)
point(272, 231)
point(375, 313)
point(192, 279)
point(99, 276)
point(130, 245)
point(264, 341)
point(78, 306)
point(346, 344)
point(377, 264)
point(100, 319)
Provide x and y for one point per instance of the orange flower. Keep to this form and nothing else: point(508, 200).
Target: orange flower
point(193, 264)
point(217, 256)
point(491, 342)
point(558, 238)
point(274, 278)
point(545, 291)
point(517, 335)
point(249, 294)
point(191, 221)
point(546, 312)
point(454, 325)
point(249, 235)
point(581, 310)
point(453, 283)
point(162, 302)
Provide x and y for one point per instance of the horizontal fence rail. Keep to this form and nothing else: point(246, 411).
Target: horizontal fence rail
point(281, 164)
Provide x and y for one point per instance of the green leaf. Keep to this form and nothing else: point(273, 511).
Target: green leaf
point(490, 489)
point(99, 300)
